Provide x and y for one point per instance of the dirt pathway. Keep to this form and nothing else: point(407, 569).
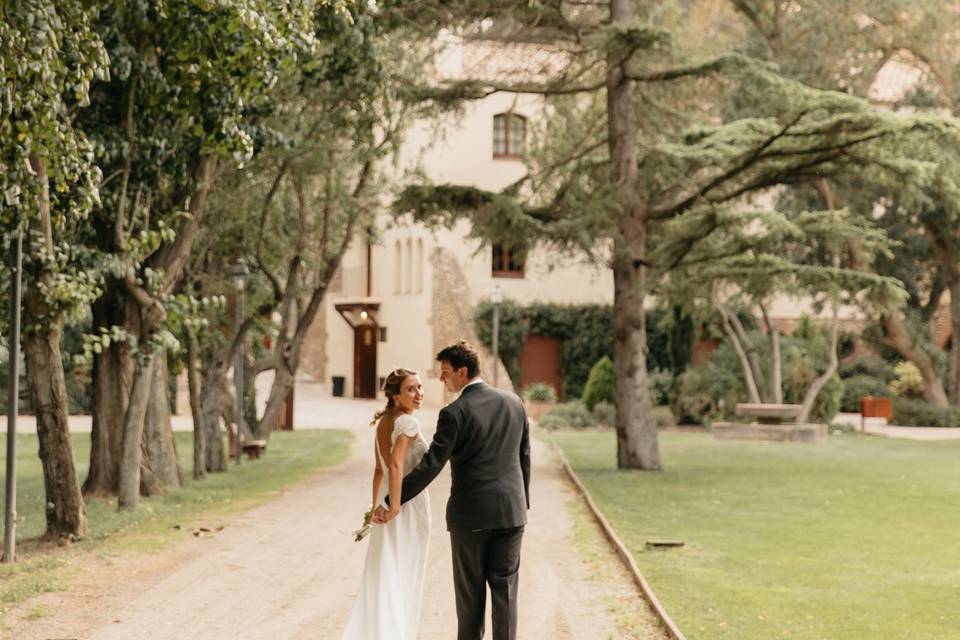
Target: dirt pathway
point(289, 569)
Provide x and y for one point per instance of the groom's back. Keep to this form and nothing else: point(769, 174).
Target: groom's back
point(490, 463)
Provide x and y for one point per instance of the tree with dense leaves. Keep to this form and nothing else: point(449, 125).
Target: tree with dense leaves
point(641, 136)
point(49, 54)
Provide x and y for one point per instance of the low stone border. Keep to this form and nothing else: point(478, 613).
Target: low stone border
point(621, 549)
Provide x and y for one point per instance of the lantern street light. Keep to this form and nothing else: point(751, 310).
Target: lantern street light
point(239, 273)
point(497, 298)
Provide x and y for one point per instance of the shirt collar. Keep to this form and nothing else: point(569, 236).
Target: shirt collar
point(477, 380)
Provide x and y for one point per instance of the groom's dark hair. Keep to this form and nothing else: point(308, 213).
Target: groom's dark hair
point(462, 354)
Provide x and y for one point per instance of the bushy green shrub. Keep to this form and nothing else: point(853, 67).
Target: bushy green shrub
point(919, 413)
point(663, 416)
point(869, 366)
point(829, 401)
point(661, 383)
point(587, 335)
point(605, 413)
point(861, 386)
point(540, 392)
point(599, 387)
point(568, 415)
point(909, 382)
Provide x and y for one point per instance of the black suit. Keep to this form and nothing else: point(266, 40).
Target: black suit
point(485, 435)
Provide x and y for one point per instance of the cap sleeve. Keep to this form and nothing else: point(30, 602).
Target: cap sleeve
point(406, 425)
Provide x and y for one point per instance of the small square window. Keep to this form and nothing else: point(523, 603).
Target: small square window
point(507, 263)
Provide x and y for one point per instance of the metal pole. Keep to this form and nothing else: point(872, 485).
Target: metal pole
point(13, 396)
point(496, 340)
point(238, 374)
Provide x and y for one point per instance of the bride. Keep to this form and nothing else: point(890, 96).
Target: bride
point(388, 600)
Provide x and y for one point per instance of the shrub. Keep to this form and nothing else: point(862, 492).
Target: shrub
point(599, 387)
point(828, 402)
point(870, 366)
point(861, 386)
point(918, 413)
point(540, 392)
point(909, 382)
point(568, 415)
point(605, 413)
point(660, 382)
point(664, 416)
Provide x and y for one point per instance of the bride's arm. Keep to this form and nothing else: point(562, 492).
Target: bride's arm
point(397, 456)
point(377, 478)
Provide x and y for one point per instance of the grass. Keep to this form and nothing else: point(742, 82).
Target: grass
point(853, 539)
point(291, 457)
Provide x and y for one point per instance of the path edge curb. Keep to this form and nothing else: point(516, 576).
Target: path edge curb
point(622, 552)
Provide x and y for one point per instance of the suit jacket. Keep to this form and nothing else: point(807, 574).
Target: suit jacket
point(486, 437)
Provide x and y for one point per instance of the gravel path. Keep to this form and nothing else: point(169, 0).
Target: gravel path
point(289, 569)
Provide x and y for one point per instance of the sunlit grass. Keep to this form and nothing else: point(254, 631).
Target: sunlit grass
point(856, 538)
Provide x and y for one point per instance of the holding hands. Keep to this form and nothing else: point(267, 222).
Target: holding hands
point(383, 516)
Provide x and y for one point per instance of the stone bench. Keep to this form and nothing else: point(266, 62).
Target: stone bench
point(774, 422)
point(769, 413)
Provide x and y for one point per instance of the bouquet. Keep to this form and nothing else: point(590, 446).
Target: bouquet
point(362, 532)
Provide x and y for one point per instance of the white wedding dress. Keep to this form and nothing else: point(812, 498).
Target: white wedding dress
point(388, 600)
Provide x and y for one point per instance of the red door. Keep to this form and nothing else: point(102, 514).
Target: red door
point(540, 361)
point(365, 362)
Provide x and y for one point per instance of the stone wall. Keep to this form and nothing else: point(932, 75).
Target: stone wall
point(452, 318)
point(313, 357)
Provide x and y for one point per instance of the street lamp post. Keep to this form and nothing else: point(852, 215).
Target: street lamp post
point(13, 397)
point(497, 298)
point(239, 274)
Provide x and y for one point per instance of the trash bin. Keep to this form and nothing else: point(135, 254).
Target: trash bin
point(338, 384)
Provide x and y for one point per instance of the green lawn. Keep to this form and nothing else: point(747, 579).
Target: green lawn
point(290, 457)
point(858, 538)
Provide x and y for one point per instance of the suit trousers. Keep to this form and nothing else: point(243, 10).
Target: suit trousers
point(480, 558)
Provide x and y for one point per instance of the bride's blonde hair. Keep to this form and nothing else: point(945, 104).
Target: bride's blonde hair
point(391, 388)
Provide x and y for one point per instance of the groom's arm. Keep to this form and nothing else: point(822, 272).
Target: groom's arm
point(433, 460)
point(525, 458)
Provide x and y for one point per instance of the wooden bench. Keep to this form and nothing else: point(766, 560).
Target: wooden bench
point(769, 413)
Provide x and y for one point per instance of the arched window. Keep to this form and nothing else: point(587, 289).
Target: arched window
point(398, 268)
point(409, 283)
point(420, 265)
point(509, 133)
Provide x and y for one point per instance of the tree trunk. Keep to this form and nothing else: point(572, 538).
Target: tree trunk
point(745, 366)
point(776, 360)
point(132, 452)
point(213, 397)
point(637, 439)
point(196, 409)
point(896, 333)
point(950, 271)
point(160, 448)
point(65, 511)
point(954, 380)
point(113, 370)
point(898, 336)
point(283, 382)
point(811, 396)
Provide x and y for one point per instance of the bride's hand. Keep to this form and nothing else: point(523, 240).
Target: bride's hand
point(378, 514)
point(390, 515)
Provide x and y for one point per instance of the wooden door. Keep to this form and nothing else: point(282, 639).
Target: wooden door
point(365, 362)
point(540, 361)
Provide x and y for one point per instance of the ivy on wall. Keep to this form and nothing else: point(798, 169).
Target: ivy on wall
point(586, 332)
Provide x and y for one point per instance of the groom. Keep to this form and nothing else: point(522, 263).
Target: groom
point(485, 435)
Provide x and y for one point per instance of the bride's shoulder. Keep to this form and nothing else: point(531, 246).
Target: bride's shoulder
point(406, 424)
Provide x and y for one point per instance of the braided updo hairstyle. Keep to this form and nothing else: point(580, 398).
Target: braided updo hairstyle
point(391, 388)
